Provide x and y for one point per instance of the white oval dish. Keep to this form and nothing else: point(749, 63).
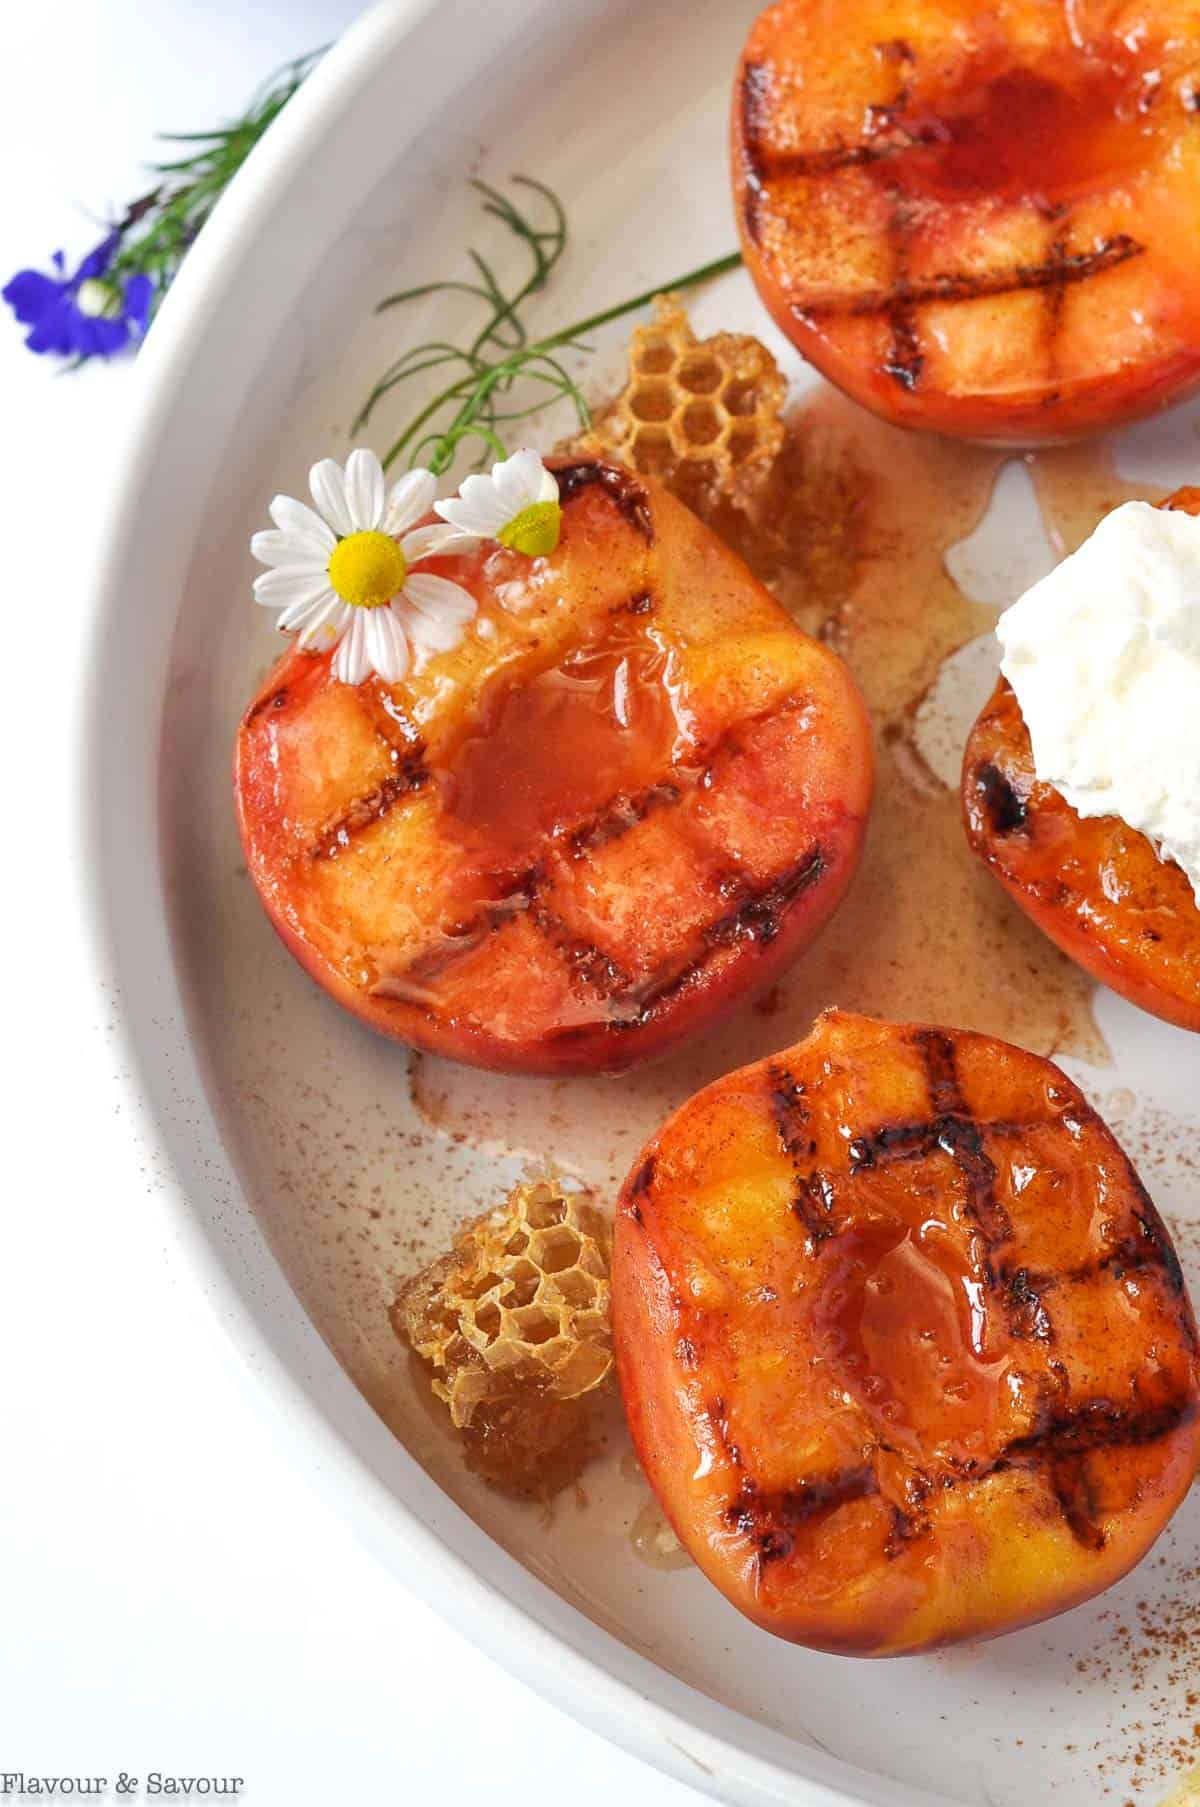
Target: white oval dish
point(299, 1162)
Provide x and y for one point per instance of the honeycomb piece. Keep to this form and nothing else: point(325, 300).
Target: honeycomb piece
point(702, 415)
point(514, 1323)
point(791, 505)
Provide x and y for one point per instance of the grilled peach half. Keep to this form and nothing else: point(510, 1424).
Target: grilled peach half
point(635, 791)
point(1095, 886)
point(983, 221)
point(904, 1345)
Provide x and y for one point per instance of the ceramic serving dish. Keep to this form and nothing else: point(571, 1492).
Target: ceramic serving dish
point(308, 1163)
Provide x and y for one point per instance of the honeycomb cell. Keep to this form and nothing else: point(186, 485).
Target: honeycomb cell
point(653, 402)
point(701, 425)
point(702, 415)
point(741, 446)
point(700, 376)
point(653, 357)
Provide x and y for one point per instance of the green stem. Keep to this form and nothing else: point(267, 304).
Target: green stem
point(463, 387)
point(567, 335)
point(717, 267)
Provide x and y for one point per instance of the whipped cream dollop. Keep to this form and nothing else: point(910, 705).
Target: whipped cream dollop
point(1104, 657)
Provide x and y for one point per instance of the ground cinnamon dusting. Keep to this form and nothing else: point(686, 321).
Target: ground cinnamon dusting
point(1147, 1657)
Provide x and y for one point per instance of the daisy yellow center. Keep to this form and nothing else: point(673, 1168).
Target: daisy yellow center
point(534, 531)
point(367, 569)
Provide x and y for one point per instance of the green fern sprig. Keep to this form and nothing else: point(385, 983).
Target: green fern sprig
point(501, 376)
point(158, 229)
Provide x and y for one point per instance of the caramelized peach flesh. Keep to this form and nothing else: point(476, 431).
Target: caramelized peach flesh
point(635, 791)
point(1094, 885)
point(981, 221)
point(903, 1343)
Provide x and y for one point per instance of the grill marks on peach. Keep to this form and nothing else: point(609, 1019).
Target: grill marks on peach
point(1058, 1447)
point(1060, 1451)
point(620, 814)
point(752, 101)
point(405, 752)
point(813, 1200)
point(949, 1128)
point(619, 484)
point(887, 136)
point(906, 360)
point(772, 1521)
point(757, 916)
point(628, 1002)
point(1095, 886)
point(1005, 809)
point(754, 909)
point(895, 131)
point(961, 1138)
point(410, 776)
point(1055, 275)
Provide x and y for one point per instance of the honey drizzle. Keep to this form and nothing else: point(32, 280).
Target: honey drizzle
point(654, 1542)
point(610, 709)
point(1076, 486)
point(925, 933)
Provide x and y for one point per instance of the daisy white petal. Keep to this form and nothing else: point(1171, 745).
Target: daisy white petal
point(481, 494)
point(387, 644)
point(364, 489)
point(475, 522)
point(328, 485)
point(297, 567)
point(434, 541)
point(476, 509)
point(548, 487)
point(304, 611)
point(518, 481)
point(302, 524)
point(324, 624)
point(280, 589)
point(350, 662)
point(516, 505)
point(273, 548)
point(410, 499)
point(438, 598)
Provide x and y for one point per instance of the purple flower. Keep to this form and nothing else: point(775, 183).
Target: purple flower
point(86, 315)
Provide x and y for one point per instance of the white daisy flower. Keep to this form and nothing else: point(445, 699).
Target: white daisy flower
point(344, 575)
point(517, 505)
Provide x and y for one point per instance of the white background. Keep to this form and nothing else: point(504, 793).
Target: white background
point(172, 1597)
